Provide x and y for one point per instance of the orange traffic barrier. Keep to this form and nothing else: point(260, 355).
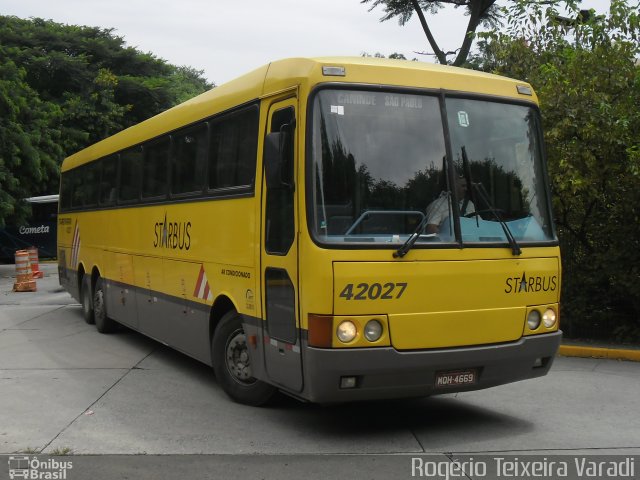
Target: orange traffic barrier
point(35, 261)
point(24, 276)
point(23, 268)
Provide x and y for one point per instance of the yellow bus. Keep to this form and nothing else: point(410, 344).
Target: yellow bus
point(337, 229)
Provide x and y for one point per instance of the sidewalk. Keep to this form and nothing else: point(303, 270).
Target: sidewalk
point(584, 349)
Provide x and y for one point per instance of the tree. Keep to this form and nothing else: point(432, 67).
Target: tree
point(29, 141)
point(64, 87)
point(480, 12)
point(392, 56)
point(587, 77)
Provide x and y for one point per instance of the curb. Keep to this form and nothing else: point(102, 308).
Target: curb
point(597, 352)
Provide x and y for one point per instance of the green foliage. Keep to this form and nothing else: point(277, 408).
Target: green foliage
point(64, 87)
point(585, 71)
point(186, 83)
point(29, 140)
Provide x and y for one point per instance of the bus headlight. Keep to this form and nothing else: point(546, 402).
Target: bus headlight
point(549, 318)
point(346, 331)
point(373, 330)
point(533, 319)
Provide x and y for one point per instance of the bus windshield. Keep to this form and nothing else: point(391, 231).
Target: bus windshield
point(380, 170)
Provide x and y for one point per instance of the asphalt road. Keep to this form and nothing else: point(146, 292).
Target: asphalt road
point(124, 406)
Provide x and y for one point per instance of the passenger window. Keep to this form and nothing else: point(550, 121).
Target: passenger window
point(108, 180)
point(234, 143)
point(66, 190)
point(84, 185)
point(130, 172)
point(189, 160)
point(154, 178)
point(90, 183)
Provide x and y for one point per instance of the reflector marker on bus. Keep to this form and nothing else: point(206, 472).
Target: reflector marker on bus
point(280, 345)
point(75, 247)
point(202, 290)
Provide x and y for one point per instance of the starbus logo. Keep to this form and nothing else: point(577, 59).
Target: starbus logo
point(524, 284)
point(173, 235)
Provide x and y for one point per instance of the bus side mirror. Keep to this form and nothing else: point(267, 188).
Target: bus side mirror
point(276, 147)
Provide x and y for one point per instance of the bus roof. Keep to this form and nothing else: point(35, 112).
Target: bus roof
point(295, 72)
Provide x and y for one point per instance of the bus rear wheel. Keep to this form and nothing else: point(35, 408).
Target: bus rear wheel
point(232, 363)
point(87, 301)
point(104, 324)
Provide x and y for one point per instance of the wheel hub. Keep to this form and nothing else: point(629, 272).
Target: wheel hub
point(237, 358)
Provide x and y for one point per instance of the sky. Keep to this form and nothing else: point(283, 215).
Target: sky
point(226, 38)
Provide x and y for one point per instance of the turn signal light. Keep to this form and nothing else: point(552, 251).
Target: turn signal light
point(320, 330)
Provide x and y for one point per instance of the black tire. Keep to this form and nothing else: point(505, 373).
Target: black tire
point(104, 324)
point(232, 366)
point(87, 300)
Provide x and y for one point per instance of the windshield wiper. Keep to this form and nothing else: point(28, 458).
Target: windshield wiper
point(467, 176)
point(413, 238)
point(479, 187)
point(515, 248)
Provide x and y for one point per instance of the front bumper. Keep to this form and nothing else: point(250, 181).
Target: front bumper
point(384, 373)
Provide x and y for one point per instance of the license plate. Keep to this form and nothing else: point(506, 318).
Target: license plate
point(456, 379)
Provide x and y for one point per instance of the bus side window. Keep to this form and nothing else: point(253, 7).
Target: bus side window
point(90, 183)
point(189, 160)
point(82, 188)
point(130, 173)
point(108, 180)
point(66, 190)
point(233, 148)
point(154, 177)
point(247, 147)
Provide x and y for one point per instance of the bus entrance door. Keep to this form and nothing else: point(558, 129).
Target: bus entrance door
point(279, 257)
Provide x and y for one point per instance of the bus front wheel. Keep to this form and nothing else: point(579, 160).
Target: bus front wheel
point(104, 324)
point(232, 364)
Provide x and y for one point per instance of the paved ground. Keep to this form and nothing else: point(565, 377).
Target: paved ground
point(64, 388)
